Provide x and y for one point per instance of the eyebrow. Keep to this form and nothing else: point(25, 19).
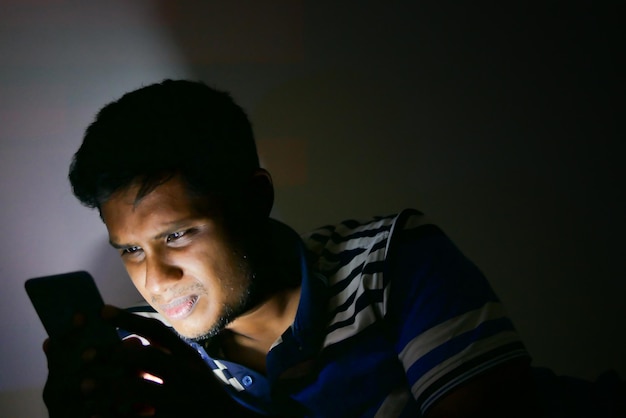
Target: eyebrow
point(169, 227)
point(118, 246)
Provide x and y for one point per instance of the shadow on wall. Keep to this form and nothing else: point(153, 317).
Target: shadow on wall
point(209, 33)
point(323, 139)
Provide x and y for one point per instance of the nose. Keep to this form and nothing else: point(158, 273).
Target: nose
point(161, 273)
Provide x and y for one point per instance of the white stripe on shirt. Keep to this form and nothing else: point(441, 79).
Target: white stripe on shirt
point(437, 335)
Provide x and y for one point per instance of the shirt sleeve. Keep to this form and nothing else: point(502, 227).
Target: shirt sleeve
point(448, 324)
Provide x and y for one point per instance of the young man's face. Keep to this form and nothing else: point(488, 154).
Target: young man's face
point(180, 256)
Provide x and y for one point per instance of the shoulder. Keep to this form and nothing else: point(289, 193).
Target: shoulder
point(351, 255)
point(352, 237)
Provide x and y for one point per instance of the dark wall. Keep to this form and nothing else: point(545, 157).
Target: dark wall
point(503, 123)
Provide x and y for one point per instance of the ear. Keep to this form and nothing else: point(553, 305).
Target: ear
point(259, 195)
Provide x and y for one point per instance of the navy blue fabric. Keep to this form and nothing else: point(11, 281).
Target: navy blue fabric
point(353, 377)
point(422, 282)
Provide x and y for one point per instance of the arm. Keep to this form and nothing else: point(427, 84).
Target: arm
point(505, 391)
point(461, 353)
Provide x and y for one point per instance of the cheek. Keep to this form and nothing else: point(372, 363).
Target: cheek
point(213, 261)
point(231, 274)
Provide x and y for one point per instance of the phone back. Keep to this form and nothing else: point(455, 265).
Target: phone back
point(59, 297)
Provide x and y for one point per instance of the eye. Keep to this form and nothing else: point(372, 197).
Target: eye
point(175, 236)
point(130, 251)
point(180, 238)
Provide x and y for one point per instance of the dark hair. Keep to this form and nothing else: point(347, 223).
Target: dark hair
point(176, 127)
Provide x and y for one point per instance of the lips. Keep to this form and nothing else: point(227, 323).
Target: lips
point(180, 308)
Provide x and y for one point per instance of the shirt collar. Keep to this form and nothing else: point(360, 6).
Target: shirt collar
point(301, 342)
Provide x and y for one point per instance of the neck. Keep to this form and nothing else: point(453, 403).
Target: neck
point(249, 338)
point(261, 327)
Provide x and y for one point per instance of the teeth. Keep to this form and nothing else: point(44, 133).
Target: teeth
point(178, 302)
point(181, 307)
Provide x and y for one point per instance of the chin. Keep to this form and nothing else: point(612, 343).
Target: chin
point(195, 336)
point(198, 333)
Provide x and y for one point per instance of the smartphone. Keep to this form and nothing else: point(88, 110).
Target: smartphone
point(58, 298)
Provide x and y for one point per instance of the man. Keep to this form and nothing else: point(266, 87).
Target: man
point(382, 317)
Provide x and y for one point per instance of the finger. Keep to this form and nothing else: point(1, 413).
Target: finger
point(134, 341)
point(154, 364)
point(79, 320)
point(131, 359)
point(117, 395)
point(148, 362)
point(68, 342)
point(132, 396)
point(61, 354)
point(159, 400)
point(152, 329)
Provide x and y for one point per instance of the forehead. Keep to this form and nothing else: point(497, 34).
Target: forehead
point(170, 198)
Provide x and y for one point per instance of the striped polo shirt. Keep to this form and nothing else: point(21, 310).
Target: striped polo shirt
point(391, 318)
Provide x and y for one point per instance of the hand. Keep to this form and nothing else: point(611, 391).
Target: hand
point(68, 359)
point(188, 384)
point(111, 381)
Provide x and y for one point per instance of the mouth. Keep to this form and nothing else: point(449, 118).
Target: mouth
point(180, 308)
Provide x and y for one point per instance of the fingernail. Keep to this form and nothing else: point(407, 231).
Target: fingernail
point(109, 312)
point(79, 319)
point(87, 386)
point(144, 410)
point(89, 355)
